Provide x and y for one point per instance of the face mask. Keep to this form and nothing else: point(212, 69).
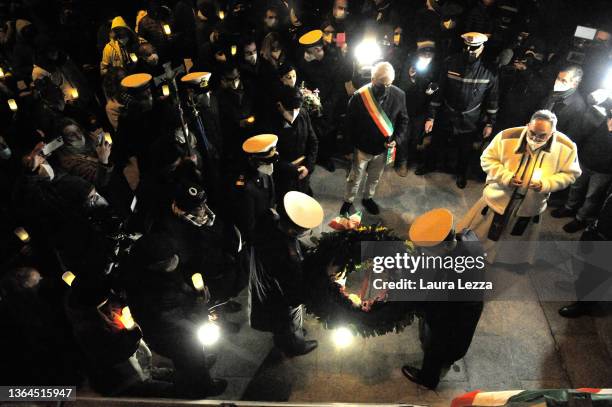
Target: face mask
point(270, 22)
point(308, 57)
point(266, 169)
point(46, 170)
point(78, 143)
point(561, 87)
point(153, 59)
point(339, 14)
point(5, 153)
point(203, 216)
point(535, 144)
point(379, 90)
point(96, 201)
point(251, 59)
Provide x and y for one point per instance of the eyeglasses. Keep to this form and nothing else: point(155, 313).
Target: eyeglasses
point(537, 137)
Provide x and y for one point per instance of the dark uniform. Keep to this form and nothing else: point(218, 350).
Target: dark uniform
point(255, 195)
point(276, 289)
point(446, 327)
point(468, 90)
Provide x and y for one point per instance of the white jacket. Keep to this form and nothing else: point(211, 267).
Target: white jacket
point(501, 160)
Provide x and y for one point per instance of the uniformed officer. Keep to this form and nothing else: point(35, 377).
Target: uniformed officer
point(468, 91)
point(255, 187)
point(276, 282)
point(446, 327)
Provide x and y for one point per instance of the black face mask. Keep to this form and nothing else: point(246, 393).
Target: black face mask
point(379, 91)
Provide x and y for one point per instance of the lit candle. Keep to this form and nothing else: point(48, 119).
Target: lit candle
point(167, 29)
point(107, 138)
point(126, 318)
point(68, 277)
point(221, 14)
point(234, 50)
point(12, 104)
point(537, 175)
point(397, 38)
point(198, 281)
point(1, 73)
point(22, 234)
point(133, 57)
point(165, 90)
point(251, 119)
point(74, 93)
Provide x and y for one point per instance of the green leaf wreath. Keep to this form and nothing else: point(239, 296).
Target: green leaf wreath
point(341, 250)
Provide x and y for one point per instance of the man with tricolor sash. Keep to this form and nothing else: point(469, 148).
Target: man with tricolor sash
point(376, 122)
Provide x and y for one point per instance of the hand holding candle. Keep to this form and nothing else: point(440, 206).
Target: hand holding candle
point(22, 234)
point(536, 180)
point(126, 318)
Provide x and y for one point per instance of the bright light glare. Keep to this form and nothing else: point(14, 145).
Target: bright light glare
point(342, 337)
point(608, 81)
point(368, 52)
point(209, 333)
point(422, 64)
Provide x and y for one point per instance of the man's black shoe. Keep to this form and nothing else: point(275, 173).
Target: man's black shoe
point(461, 181)
point(414, 375)
point(574, 226)
point(308, 347)
point(575, 310)
point(562, 212)
point(370, 206)
point(422, 170)
point(347, 209)
point(217, 387)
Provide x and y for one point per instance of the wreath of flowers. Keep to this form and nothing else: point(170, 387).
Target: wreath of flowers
point(327, 299)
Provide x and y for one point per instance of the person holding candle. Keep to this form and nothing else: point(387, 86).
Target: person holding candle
point(120, 51)
point(170, 309)
point(524, 165)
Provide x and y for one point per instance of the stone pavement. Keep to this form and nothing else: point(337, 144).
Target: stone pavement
point(517, 345)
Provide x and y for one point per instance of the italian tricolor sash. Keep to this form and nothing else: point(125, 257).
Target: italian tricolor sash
point(376, 112)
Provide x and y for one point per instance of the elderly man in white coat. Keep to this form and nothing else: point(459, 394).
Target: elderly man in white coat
point(523, 165)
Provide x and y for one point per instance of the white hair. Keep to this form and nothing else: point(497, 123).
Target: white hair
point(382, 71)
point(545, 115)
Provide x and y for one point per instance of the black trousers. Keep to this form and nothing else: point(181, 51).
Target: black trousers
point(447, 143)
point(446, 331)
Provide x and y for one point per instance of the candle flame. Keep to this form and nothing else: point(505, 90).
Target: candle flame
point(74, 93)
point(221, 14)
point(251, 119)
point(167, 29)
point(165, 90)
point(22, 234)
point(133, 57)
point(234, 50)
point(198, 281)
point(126, 318)
point(68, 277)
point(12, 104)
point(537, 175)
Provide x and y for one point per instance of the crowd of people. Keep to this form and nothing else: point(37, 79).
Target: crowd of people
point(157, 155)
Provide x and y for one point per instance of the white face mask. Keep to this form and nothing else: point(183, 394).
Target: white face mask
point(266, 169)
point(5, 153)
point(78, 143)
point(308, 57)
point(339, 14)
point(561, 87)
point(96, 201)
point(251, 59)
point(534, 145)
point(47, 170)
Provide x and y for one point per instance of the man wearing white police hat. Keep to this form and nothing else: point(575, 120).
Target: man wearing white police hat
point(276, 284)
point(254, 188)
point(468, 90)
